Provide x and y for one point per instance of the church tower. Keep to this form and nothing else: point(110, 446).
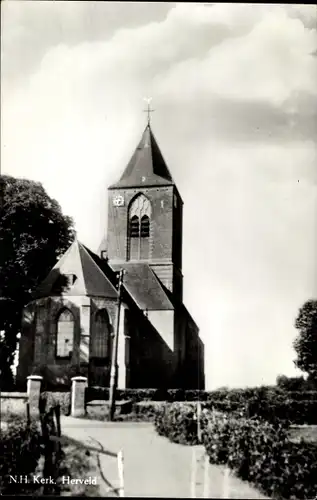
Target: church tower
point(145, 216)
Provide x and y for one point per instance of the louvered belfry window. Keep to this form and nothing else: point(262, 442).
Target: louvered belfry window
point(65, 334)
point(134, 227)
point(139, 228)
point(145, 227)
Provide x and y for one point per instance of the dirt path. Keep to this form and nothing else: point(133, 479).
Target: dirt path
point(153, 466)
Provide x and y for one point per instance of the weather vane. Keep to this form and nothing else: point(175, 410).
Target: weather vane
point(148, 110)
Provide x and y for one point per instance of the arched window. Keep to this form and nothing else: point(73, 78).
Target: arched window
point(134, 227)
point(139, 228)
point(145, 227)
point(100, 342)
point(65, 334)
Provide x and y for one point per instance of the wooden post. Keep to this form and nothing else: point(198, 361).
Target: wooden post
point(58, 431)
point(193, 474)
point(206, 476)
point(226, 478)
point(58, 419)
point(199, 421)
point(28, 414)
point(49, 469)
point(114, 358)
point(121, 473)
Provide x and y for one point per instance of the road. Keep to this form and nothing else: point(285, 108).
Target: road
point(153, 466)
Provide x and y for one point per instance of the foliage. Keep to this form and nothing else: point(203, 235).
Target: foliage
point(33, 234)
point(240, 396)
point(305, 344)
point(61, 398)
point(264, 402)
point(177, 422)
point(147, 410)
point(78, 463)
point(296, 384)
point(19, 455)
point(258, 451)
point(295, 412)
point(262, 453)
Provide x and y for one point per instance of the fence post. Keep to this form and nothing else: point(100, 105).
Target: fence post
point(33, 391)
point(120, 473)
point(58, 419)
point(199, 421)
point(206, 476)
point(193, 477)
point(51, 457)
point(28, 415)
point(226, 480)
point(79, 385)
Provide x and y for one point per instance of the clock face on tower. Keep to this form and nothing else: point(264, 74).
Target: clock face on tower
point(118, 200)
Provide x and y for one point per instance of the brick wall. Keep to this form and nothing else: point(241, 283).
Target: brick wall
point(151, 362)
point(161, 235)
point(38, 337)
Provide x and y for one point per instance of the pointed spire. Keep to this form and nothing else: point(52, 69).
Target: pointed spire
point(147, 166)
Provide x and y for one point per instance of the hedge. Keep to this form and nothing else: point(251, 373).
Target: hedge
point(176, 421)
point(262, 453)
point(237, 395)
point(295, 412)
point(257, 451)
point(20, 452)
point(61, 398)
point(265, 402)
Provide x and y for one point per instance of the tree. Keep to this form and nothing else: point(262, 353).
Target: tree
point(293, 383)
point(305, 343)
point(33, 235)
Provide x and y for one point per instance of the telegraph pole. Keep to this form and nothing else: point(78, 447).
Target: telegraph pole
point(114, 358)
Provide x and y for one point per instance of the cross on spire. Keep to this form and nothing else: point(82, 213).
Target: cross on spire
point(148, 110)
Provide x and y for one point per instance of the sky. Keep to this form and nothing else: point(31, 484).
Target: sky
point(234, 89)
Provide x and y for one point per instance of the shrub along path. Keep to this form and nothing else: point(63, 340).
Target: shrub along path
point(153, 466)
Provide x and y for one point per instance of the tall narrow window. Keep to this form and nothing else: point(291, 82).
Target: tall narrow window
point(134, 227)
point(65, 334)
point(145, 227)
point(100, 342)
point(139, 228)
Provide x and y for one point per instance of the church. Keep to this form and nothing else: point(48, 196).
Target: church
point(68, 327)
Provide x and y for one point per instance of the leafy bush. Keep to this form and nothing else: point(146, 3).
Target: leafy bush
point(173, 395)
point(61, 398)
point(20, 451)
point(258, 451)
point(267, 403)
point(177, 422)
point(147, 411)
point(295, 412)
point(296, 383)
point(262, 453)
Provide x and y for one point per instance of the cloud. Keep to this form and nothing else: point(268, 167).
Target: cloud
point(31, 29)
point(268, 64)
point(234, 90)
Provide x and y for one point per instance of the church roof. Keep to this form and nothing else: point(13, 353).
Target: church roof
point(81, 272)
point(78, 265)
point(144, 287)
point(147, 166)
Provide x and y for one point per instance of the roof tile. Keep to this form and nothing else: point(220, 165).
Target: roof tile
point(147, 166)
